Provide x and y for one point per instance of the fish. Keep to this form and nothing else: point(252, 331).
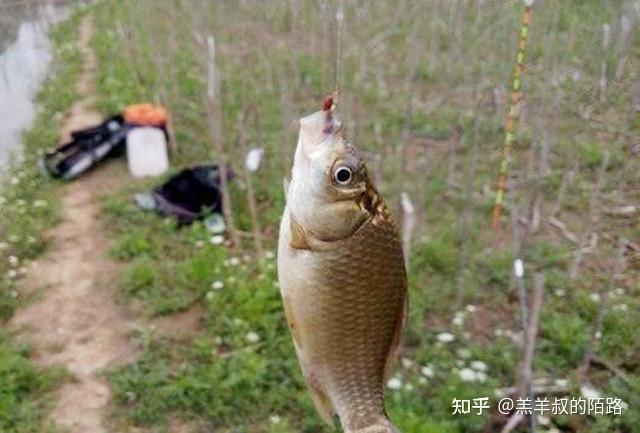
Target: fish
point(342, 277)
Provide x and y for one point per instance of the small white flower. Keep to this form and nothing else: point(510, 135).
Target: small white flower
point(560, 292)
point(3, 246)
point(234, 261)
point(471, 308)
point(588, 392)
point(478, 365)
point(467, 375)
point(14, 180)
point(209, 295)
point(246, 258)
point(275, 419)
point(481, 376)
point(561, 383)
point(544, 420)
point(217, 285)
point(595, 297)
point(252, 337)
point(407, 363)
point(408, 387)
point(621, 307)
point(14, 294)
point(218, 340)
point(40, 203)
point(463, 353)
point(446, 337)
point(458, 318)
point(269, 255)
point(199, 244)
point(217, 239)
point(13, 261)
point(427, 371)
point(394, 383)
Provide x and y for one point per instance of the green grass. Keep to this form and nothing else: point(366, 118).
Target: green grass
point(26, 392)
point(219, 379)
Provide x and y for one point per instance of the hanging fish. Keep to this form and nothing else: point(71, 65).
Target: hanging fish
point(342, 277)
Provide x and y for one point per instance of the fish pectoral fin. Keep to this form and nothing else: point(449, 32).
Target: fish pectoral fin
point(299, 236)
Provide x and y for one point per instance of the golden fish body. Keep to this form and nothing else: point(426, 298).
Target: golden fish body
point(342, 278)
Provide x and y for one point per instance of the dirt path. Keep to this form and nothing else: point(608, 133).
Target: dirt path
point(75, 321)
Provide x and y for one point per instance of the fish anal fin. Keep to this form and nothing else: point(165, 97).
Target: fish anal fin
point(396, 343)
point(321, 400)
point(299, 236)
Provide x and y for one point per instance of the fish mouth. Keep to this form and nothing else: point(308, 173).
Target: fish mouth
point(317, 130)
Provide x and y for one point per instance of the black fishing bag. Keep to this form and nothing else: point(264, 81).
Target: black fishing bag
point(87, 148)
point(191, 194)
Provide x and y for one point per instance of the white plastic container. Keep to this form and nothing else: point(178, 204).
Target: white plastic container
point(147, 152)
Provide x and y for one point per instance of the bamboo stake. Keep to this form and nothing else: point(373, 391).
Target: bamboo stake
point(514, 113)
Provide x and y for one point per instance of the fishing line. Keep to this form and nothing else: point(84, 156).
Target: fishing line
point(514, 113)
point(340, 21)
point(331, 101)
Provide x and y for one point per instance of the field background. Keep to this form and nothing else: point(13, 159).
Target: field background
point(424, 92)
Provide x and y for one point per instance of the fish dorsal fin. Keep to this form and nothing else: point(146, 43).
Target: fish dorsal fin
point(299, 236)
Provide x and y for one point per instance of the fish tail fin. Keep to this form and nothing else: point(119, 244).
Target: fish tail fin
point(383, 425)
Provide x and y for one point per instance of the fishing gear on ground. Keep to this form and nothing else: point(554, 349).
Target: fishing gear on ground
point(140, 131)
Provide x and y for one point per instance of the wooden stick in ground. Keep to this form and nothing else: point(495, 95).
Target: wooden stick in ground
point(603, 304)
point(251, 197)
point(526, 366)
point(594, 213)
point(214, 114)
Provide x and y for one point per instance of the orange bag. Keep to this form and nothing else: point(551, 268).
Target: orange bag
point(146, 114)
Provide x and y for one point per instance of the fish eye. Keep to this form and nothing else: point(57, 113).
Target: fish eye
point(343, 175)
